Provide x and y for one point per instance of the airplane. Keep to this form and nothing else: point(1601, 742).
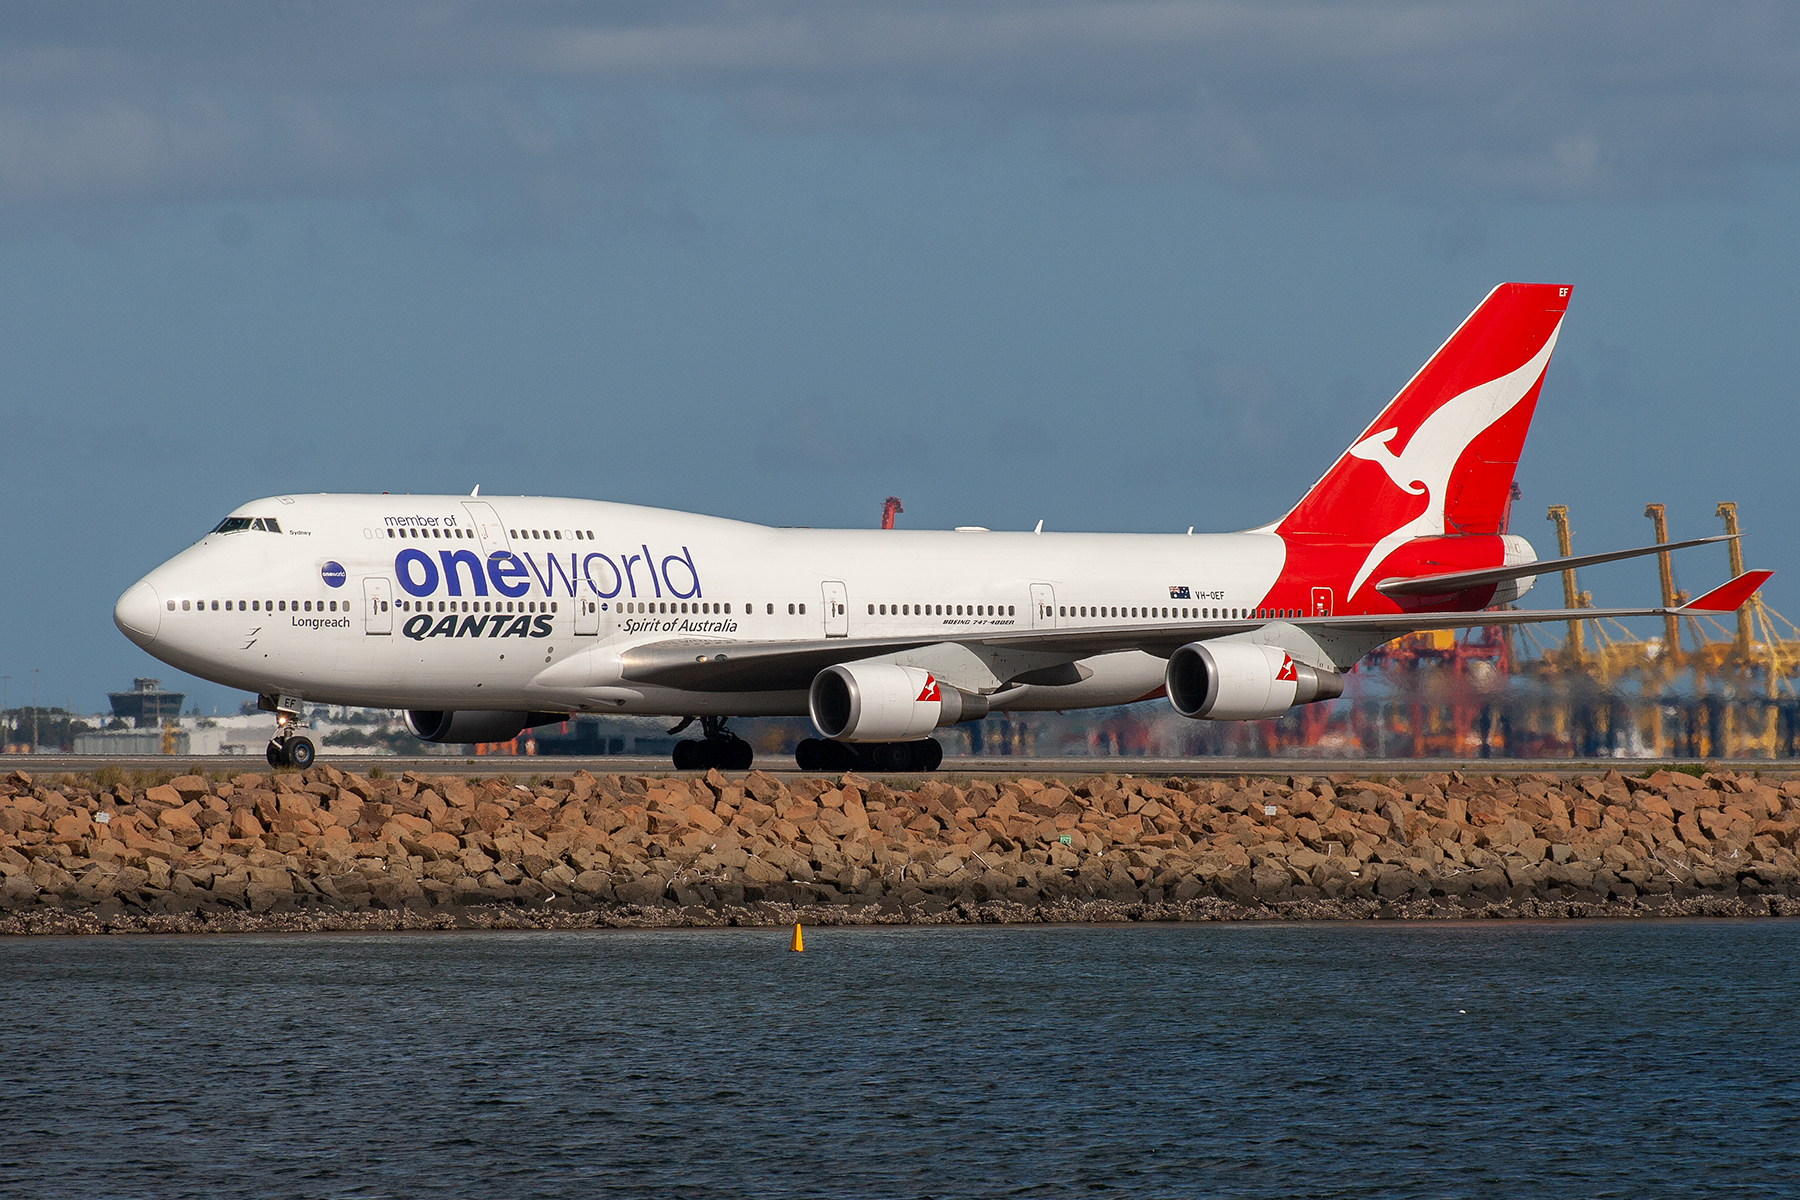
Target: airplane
point(527, 610)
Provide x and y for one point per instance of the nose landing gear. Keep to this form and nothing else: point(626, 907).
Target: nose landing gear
point(289, 747)
point(720, 748)
point(294, 750)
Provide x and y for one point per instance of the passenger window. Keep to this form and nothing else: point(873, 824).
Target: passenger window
point(803, 610)
point(559, 535)
point(1009, 611)
point(512, 533)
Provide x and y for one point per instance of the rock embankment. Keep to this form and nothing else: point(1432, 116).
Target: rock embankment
point(327, 849)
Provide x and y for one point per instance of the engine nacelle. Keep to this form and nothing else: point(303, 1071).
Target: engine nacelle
point(1238, 681)
point(886, 702)
point(474, 725)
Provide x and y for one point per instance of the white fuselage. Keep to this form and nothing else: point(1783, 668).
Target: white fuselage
point(449, 602)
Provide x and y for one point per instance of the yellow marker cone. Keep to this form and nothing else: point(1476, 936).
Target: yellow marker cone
point(799, 943)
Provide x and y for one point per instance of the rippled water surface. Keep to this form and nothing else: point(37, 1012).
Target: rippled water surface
point(1565, 1059)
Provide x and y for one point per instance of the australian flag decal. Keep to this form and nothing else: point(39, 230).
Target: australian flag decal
point(1178, 593)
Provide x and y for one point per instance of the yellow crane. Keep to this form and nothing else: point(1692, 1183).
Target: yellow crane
point(1575, 649)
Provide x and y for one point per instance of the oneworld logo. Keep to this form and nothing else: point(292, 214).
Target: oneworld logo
point(511, 575)
point(333, 574)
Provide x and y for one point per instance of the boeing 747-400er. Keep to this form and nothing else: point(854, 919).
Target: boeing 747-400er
point(527, 610)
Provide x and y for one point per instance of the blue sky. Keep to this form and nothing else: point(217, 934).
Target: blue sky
point(1124, 266)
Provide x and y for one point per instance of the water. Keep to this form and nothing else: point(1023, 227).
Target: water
point(1486, 1059)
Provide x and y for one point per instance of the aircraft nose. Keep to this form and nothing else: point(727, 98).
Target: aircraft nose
point(138, 614)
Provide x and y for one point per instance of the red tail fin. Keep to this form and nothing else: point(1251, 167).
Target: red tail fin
point(1440, 458)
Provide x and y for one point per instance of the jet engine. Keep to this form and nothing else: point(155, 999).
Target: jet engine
point(886, 702)
point(1237, 681)
point(475, 725)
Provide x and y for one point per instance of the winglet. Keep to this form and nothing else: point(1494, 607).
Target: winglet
point(1729, 596)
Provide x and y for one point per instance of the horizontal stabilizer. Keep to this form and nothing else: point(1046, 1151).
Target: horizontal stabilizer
point(1729, 596)
point(1451, 582)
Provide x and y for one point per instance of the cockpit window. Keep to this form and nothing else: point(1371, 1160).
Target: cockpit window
point(239, 524)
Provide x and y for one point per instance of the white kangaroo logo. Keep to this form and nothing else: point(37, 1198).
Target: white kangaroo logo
point(1430, 455)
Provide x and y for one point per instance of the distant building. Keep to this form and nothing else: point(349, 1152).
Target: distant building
point(141, 745)
point(603, 735)
point(146, 705)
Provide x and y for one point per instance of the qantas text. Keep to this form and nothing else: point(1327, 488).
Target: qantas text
point(420, 627)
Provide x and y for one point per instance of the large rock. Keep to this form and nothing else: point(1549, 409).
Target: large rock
point(1398, 883)
point(437, 845)
point(1270, 882)
point(177, 820)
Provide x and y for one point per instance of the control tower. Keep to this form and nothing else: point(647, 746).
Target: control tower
point(146, 705)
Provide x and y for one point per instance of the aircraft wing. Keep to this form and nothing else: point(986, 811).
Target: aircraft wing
point(724, 666)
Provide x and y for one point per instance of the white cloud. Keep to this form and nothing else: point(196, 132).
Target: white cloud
point(1611, 98)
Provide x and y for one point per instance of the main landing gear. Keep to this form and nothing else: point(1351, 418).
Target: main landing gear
point(720, 748)
point(817, 754)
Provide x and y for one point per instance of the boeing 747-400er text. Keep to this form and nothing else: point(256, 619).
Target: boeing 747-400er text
point(527, 610)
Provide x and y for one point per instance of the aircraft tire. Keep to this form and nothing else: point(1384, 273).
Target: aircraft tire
point(927, 755)
point(301, 752)
point(809, 754)
point(277, 755)
point(690, 755)
point(891, 756)
point(737, 756)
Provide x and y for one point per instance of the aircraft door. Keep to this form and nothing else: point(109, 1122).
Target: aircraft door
point(378, 615)
point(1043, 606)
point(587, 616)
point(487, 526)
point(1321, 602)
point(837, 609)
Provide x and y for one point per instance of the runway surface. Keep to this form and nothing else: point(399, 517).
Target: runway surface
point(1075, 768)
